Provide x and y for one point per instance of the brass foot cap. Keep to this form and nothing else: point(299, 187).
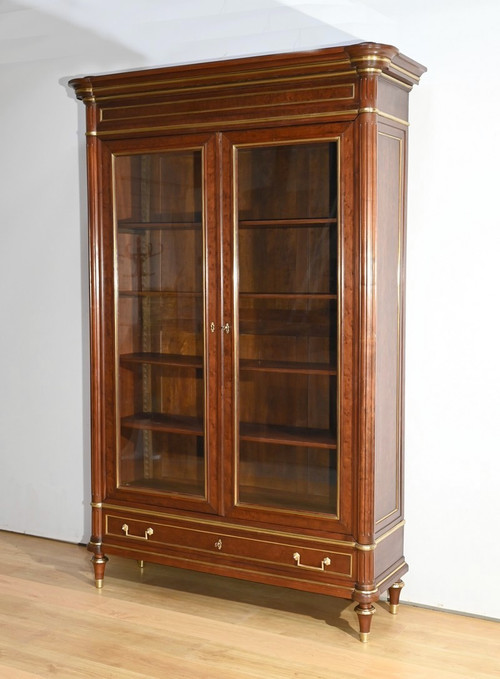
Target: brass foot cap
point(393, 608)
point(98, 584)
point(363, 636)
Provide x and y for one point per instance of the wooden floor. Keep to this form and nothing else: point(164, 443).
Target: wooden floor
point(175, 624)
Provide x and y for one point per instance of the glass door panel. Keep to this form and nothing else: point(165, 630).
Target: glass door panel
point(159, 242)
point(287, 246)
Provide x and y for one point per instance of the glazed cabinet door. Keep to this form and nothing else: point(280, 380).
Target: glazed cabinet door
point(160, 242)
point(287, 462)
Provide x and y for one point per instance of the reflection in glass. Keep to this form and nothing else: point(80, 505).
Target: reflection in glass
point(287, 400)
point(159, 255)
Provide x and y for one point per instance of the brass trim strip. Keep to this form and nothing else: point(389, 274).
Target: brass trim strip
point(365, 548)
point(96, 505)
point(226, 97)
point(366, 591)
point(223, 124)
point(387, 577)
point(405, 72)
point(394, 80)
point(92, 133)
point(390, 532)
point(271, 70)
point(386, 60)
point(227, 526)
point(371, 57)
point(383, 114)
point(226, 566)
point(373, 545)
point(94, 544)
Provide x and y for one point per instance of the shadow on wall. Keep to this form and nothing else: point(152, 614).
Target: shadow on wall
point(159, 33)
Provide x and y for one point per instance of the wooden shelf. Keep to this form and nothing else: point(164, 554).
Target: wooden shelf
point(173, 424)
point(285, 223)
point(281, 499)
point(288, 436)
point(181, 486)
point(159, 293)
point(288, 295)
point(287, 367)
point(176, 360)
point(125, 226)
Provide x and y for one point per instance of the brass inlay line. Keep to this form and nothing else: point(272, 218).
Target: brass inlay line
point(383, 114)
point(392, 79)
point(233, 568)
point(405, 72)
point(390, 532)
point(227, 526)
point(324, 65)
point(225, 123)
point(96, 505)
point(228, 536)
point(224, 87)
point(222, 108)
point(391, 574)
point(399, 443)
point(373, 545)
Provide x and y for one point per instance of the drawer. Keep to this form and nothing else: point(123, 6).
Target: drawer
point(222, 544)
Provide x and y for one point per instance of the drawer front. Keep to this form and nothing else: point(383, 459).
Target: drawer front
point(219, 545)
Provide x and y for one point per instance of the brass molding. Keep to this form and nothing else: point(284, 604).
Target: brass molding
point(96, 505)
point(387, 577)
point(383, 114)
point(365, 611)
point(92, 133)
point(362, 591)
point(95, 544)
point(365, 548)
point(407, 73)
point(390, 532)
point(373, 545)
point(371, 57)
point(370, 70)
point(394, 80)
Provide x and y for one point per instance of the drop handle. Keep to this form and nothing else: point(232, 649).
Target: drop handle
point(325, 562)
point(226, 328)
point(149, 531)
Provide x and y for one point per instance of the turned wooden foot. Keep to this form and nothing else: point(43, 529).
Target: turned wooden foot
point(394, 593)
point(99, 562)
point(365, 613)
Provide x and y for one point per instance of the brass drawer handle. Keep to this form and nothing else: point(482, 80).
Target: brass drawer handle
point(326, 562)
point(218, 544)
point(147, 533)
point(226, 328)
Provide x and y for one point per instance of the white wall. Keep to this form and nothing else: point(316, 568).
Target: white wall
point(453, 373)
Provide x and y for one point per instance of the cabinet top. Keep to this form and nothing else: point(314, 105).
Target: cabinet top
point(298, 81)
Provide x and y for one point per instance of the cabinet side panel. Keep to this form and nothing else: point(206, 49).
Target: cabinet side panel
point(389, 323)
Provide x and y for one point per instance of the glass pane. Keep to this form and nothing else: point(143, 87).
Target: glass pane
point(159, 254)
point(287, 249)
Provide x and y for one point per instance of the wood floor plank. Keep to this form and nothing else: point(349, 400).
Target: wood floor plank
point(163, 622)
